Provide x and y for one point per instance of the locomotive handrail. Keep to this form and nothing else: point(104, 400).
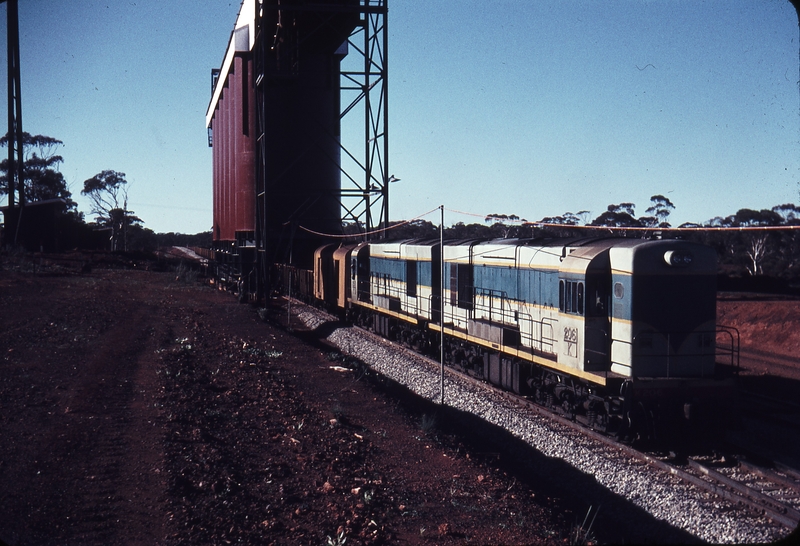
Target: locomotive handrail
point(434, 317)
point(550, 323)
point(441, 315)
point(545, 344)
point(734, 348)
point(541, 341)
point(491, 294)
point(382, 285)
point(385, 285)
point(523, 335)
point(506, 313)
point(363, 295)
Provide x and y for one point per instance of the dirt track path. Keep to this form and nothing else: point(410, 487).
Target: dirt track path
point(137, 410)
point(87, 419)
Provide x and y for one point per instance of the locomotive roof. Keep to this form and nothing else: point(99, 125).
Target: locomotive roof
point(539, 241)
point(535, 241)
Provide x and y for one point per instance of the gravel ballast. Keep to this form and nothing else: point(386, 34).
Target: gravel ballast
point(665, 497)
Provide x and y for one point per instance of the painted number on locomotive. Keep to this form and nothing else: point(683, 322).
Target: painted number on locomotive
point(571, 339)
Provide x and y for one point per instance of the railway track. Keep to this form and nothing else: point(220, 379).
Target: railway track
point(652, 481)
point(773, 493)
point(777, 411)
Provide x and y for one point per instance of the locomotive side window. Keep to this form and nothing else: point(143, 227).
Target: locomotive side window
point(453, 284)
point(461, 285)
point(619, 290)
point(570, 297)
point(572, 302)
point(595, 299)
point(411, 278)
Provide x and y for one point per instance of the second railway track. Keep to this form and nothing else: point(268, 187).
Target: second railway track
point(760, 489)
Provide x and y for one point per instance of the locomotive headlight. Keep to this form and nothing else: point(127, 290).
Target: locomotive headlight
point(677, 258)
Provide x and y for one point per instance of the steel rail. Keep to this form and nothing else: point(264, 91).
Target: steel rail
point(788, 470)
point(749, 497)
point(772, 508)
point(774, 477)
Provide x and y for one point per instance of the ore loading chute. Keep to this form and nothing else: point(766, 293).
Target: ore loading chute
point(274, 126)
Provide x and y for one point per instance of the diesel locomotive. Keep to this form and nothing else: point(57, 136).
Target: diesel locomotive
point(619, 334)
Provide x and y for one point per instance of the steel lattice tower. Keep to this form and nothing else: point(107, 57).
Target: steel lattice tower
point(366, 200)
point(320, 81)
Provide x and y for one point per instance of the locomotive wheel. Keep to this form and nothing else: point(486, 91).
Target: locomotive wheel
point(567, 407)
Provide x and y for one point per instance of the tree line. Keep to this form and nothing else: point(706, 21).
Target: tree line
point(768, 253)
point(114, 227)
point(771, 253)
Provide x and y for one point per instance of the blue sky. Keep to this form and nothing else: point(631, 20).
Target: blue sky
point(532, 108)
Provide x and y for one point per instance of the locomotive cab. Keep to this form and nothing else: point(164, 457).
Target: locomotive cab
point(331, 267)
point(341, 270)
point(359, 273)
point(583, 305)
point(325, 280)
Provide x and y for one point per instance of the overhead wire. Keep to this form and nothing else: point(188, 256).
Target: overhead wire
point(656, 228)
point(791, 227)
point(373, 232)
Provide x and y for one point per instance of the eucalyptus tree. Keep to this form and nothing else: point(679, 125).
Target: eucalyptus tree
point(659, 211)
point(41, 177)
point(108, 193)
point(621, 215)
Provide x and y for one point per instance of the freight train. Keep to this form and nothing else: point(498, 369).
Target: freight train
point(619, 334)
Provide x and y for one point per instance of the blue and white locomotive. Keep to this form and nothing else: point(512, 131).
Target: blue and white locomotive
point(617, 333)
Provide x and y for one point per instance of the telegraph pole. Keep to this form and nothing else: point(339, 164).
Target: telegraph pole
point(441, 297)
point(15, 176)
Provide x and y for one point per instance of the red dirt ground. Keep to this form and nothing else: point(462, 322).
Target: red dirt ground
point(139, 409)
point(768, 326)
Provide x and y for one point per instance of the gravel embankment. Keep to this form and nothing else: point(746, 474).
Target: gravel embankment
point(665, 497)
